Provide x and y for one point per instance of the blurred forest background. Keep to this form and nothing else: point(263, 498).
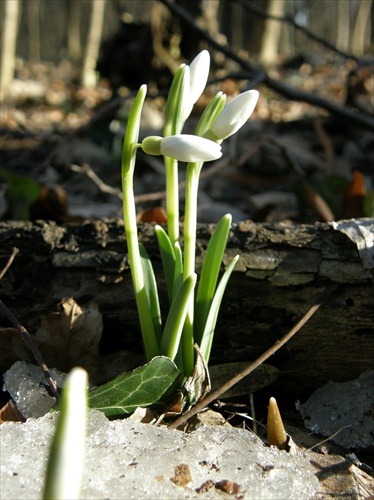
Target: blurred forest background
point(51, 30)
point(68, 68)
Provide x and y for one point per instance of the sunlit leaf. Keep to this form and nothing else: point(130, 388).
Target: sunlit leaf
point(151, 291)
point(209, 275)
point(176, 318)
point(168, 258)
point(178, 269)
point(144, 386)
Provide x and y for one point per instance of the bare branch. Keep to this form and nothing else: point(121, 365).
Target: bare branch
point(260, 76)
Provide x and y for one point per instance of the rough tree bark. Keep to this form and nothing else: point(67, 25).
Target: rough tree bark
point(280, 272)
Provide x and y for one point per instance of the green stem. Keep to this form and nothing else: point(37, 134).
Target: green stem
point(129, 214)
point(190, 223)
point(172, 198)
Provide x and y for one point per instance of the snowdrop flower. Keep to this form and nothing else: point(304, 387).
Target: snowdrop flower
point(199, 71)
point(182, 147)
point(233, 116)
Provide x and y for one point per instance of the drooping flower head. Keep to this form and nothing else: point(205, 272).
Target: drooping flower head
point(233, 116)
point(188, 84)
point(182, 147)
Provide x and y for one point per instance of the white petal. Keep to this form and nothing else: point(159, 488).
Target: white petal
point(190, 148)
point(199, 71)
point(235, 114)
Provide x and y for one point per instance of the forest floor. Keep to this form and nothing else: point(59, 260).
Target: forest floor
point(292, 163)
point(57, 136)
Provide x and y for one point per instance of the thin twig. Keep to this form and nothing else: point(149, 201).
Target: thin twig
point(252, 366)
point(330, 437)
point(158, 195)
point(26, 337)
point(104, 188)
point(10, 261)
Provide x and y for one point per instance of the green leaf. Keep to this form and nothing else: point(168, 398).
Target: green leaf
point(179, 95)
point(151, 291)
point(178, 270)
point(176, 317)
point(211, 113)
point(209, 275)
point(66, 458)
point(209, 327)
point(144, 386)
point(167, 257)
point(22, 192)
point(132, 137)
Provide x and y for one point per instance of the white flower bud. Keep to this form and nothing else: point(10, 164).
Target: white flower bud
point(152, 145)
point(234, 115)
point(199, 71)
point(190, 148)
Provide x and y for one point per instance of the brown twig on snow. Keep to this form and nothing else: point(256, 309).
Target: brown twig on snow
point(252, 366)
point(26, 337)
point(261, 76)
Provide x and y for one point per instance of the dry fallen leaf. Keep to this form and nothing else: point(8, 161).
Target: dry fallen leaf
point(10, 413)
point(66, 338)
point(156, 215)
point(70, 335)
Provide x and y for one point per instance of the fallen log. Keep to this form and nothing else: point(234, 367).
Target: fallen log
point(281, 270)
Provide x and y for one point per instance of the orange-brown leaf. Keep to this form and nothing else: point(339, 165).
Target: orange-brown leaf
point(10, 413)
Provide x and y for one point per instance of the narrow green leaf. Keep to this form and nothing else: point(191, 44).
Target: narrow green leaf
point(209, 275)
point(66, 457)
point(210, 324)
point(151, 291)
point(211, 113)
point(143, 387)
point(178, 270)
point(178, 98)
point(168, 259)
point(176, 317)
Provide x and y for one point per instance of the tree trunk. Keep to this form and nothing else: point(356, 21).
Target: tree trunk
point(361, 23)
point(271, 37)
point(280, 272)
point(343, 25)
point(33, 14)
point(74, 30)
point(93, 43)
point(9, 41)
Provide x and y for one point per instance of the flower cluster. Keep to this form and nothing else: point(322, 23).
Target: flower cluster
point(190, 148)
point(192, 315)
